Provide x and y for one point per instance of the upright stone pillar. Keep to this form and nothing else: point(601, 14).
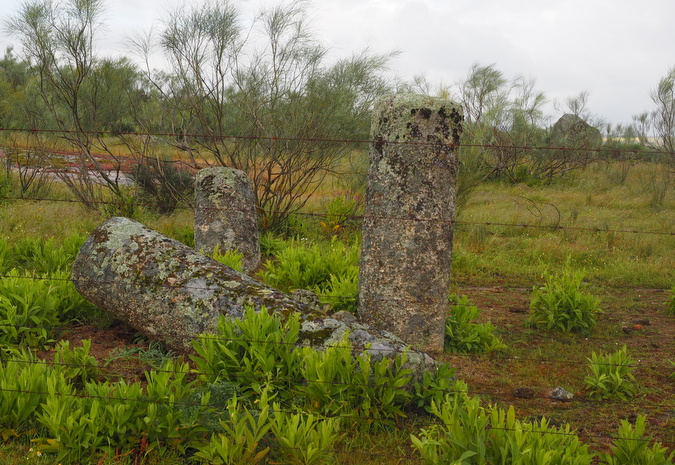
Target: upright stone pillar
point(408, 219)
point(225, 214)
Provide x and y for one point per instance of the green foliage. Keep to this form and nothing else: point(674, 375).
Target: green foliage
point(305, 439)
point(259, 353)
point(162, 183)
point(23, 388)
point(436, 384)
point(339, 383)
point(70, 305)
point(327, 268)
point(239, 443)
point(462, 336)
point(341, 213)
point(341, 292)
point(611, 376)
point(28, 310)
point(107, 417)
point(461, 438)
point(255, 352)
point(561, 305)
point(534, 443)
point(231, 258)
point(46, 256)
point(471, 434)
point(271, 245)
point(671, 306)
point(632, 448)
point(76, 364)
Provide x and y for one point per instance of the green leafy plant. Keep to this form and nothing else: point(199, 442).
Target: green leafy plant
point(255, 352)
point(471, 434)
point(436, 384)
point(231, 258)
point(671, 306)
point(341, 292)
point(305, 439)
point(105, 417)
point(70, 305)
point(243, 431)
point(631, 447)
point(341, 213)
point(463, 336)
point(28, 310)
point(23, 388)
point(461, 438)
point(45, 256)
point(373, 392)
point(561, 305)
point(169, 419)
point(611, 376)
point(327, 268)
point(76, 364)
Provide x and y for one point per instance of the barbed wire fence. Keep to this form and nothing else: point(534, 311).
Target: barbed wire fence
point(664, 369)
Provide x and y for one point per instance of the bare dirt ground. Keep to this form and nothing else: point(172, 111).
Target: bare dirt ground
point(541, 360)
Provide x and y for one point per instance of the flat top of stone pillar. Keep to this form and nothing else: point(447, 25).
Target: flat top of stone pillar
point(222, 172)
point(414, 101)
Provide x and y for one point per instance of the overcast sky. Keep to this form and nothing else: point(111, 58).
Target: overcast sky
point(615, 49)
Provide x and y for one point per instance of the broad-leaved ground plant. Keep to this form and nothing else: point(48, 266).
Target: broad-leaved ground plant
point(330, 269)
point(463, 336)
point(561, 304)
point(611, 376)
point(631, 447)
point(472, 434)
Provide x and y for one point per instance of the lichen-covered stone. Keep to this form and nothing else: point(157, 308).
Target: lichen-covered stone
point(571, 131)
point(172, 293)
point(225, 214)
point(408, 219)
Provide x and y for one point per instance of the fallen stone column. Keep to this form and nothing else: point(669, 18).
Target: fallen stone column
point(172, 293)
point(408, 219)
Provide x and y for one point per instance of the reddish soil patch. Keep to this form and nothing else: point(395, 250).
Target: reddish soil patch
point(541, 360)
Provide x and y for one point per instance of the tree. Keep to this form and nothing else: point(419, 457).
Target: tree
point(262, 100)
point(73, 87)
point(664, 116)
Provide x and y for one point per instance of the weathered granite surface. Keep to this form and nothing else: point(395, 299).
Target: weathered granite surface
point(409, 216)
point(225, 214)
point(172, 293)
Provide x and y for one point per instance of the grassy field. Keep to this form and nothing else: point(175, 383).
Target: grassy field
point(618, 232)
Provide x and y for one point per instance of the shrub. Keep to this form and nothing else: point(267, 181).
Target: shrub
point(162, 183)
point(632, 448)
point(470, 434)
point(23, 388)
point(231, 258)
point(28, 310)
point(255, 352)
point(305, 439)
point(338, 383)
point(462, 336)
point(561, 305)
point(611, 376)
point(239, 443)
point(327, 268)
